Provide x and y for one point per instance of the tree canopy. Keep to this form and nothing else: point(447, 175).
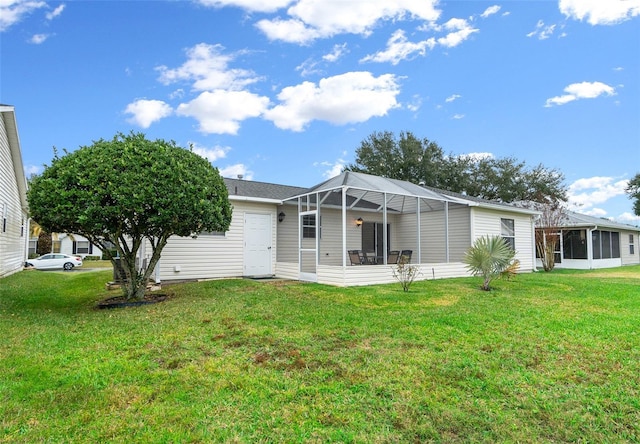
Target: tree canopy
point(423, 161)
point(126, 191)
point(633, 191)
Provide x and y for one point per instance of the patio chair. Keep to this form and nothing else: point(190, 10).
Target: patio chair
point(356, 257)
point(394, 257)
point(405, 256)
point(370, 258)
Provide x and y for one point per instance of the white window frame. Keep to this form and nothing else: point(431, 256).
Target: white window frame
point(508, 233)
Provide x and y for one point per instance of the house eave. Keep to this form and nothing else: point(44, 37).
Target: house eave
point(9, 117)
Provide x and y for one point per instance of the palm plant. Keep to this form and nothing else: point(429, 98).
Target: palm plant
point(489, 257)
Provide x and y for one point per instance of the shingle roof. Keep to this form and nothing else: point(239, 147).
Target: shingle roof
point(581, 220)
point(262, 190)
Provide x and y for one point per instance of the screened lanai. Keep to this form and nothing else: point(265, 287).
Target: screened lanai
point(381, 219)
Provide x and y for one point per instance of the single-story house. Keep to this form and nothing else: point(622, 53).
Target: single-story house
point(587, 242)
point(73, 244)
point(14, 218)
point(313, 234)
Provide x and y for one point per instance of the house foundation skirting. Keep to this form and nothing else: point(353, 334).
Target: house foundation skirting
point(357, 275)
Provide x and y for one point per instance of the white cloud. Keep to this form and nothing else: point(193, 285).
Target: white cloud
point(399, 48)
point(37, 39)
point(490, 11)
point(542, 32)
point(458, 116)
point(30, 170)
point(595, 212)
point(346, 98)
point(452, 97)
point(334, 168)
point(337, 52)
point(600, 12)
point(415, 104)
point(477, 156)
point(208, 68)
point(460, 31)
point(211, 154)
point(308, 67)
point(145, 112)
point(56, 12)
point(583, 90)
point(313, 19)
point(585, 193)
point(13, 11)
point(249, 5)
point(628, 218)
point(222, 111)
point(233, 171)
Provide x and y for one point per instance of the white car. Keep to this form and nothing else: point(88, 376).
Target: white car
point(53, 261)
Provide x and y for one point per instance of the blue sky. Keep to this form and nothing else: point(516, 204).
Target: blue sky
point(284, 91)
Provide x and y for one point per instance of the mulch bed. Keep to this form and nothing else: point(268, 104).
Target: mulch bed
point(121, 302)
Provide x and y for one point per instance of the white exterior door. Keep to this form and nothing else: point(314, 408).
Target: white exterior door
point(257, 245)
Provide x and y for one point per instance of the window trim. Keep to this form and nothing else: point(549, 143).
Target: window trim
point(509, 235)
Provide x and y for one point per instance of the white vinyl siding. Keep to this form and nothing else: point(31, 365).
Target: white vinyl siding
point(13, 241)
point(488, 222)
point(627, 241)
point(210, 257)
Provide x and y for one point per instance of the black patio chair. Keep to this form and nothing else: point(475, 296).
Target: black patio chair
point(356, 257)
point(405, 256)
point(394, 257)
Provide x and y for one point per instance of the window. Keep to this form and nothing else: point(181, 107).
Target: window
point(508, 232)
point(309, 226)
point(33, 247)
point(631, 245)
point(574, 244)
point(82, 247)
point(55, 246)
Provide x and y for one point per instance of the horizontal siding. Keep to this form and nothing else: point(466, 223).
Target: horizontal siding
point(625, 255)
point(383, 274)
point(487, 222)
point(14, 240)
point(211, 257)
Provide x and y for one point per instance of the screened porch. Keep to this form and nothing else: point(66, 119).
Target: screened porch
point(382, 219)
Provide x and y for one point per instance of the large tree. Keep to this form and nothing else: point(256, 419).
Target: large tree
point(128, 191)
point(424, 161)
point(633, 191)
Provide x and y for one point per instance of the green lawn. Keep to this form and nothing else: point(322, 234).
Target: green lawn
point(543, 358)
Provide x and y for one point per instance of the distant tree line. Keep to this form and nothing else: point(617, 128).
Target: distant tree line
point(423, 161)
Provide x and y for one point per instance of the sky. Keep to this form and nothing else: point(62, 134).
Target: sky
point(284, 91)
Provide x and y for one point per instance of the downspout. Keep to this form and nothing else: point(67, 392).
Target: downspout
point(533, 241)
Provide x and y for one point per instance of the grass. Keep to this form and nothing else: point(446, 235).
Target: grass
point(546, 357)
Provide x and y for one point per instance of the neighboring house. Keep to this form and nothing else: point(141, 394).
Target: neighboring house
point(68, 244)
point(306, 234)
point(14, 217)
point(586, 242)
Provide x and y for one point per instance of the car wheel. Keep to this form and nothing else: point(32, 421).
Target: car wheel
point(68, 266)
point(28, 264)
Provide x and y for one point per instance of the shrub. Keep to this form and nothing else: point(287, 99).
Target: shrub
point(405, 273)
point(489, 257)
